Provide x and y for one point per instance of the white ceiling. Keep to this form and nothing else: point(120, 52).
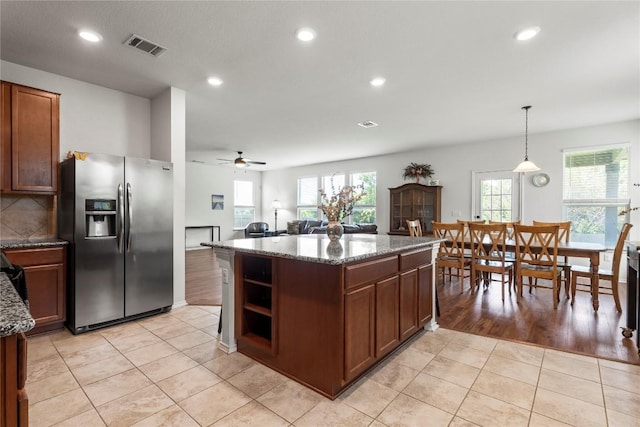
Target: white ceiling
point(454, 71)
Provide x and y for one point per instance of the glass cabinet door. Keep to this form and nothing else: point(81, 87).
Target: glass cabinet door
point(414, 201)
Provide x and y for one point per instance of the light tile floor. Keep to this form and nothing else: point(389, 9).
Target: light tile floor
point(167, 371)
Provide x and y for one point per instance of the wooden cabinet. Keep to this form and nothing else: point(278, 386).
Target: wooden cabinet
point(325, 325)
point(414, 201)
point(13, 375)
point(425, 294)
point(257, 308)
point(29, 142)
point(359, 330)
point(46, 284)
point(408, 303)
point(387, 315)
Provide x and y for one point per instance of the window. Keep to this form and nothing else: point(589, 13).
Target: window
point(595, 189)
point(495, 200)
point(243, 204)
point(308, 198)
point(364, 211)
point(496, 196)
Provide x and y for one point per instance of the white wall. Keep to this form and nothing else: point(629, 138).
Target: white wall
point(92, 118)
point(453, 166)
point(202, 181)
point(97, 119)
point(168, 139)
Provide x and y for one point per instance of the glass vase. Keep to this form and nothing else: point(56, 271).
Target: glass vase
point(334, 230)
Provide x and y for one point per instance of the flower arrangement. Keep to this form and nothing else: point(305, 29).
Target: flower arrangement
point(417, 171)
point(339, 205)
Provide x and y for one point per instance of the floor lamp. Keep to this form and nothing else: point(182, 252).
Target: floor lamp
point(275, 205)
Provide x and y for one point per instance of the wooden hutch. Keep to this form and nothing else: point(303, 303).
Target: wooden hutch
point(414, 201)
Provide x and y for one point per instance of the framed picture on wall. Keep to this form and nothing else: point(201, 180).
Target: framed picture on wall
point(217, 202)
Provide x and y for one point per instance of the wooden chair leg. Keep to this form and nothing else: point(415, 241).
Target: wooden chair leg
point(616, 297)
point(574, 280)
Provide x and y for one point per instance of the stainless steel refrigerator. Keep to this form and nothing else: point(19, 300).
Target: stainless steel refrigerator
point(117, 214)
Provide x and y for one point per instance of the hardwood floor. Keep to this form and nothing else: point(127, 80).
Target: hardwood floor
point(577, 329)
point(203, 279)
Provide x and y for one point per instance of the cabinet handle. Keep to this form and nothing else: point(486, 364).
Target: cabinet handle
point(130, 216)
point(121, 215)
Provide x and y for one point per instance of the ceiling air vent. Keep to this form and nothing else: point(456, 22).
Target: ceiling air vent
point(145, 46)
point(367, 124)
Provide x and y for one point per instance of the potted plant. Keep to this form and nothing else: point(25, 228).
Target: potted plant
point(417, 171)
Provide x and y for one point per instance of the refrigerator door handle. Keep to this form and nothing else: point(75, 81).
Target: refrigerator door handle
point(121, 215)
point(130, 216)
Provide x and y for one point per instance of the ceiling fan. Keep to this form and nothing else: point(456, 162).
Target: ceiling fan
point(241, 162)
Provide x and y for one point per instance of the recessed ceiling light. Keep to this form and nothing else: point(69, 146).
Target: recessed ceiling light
point(214, 81)
point(377, 81)
point(91, 36)
point(305, 34)
point(527, 33)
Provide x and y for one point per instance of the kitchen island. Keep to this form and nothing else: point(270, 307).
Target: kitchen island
point(324, 313)
point(15, 320)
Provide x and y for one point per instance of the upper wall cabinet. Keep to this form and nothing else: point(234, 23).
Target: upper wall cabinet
point(29, 144)
point(411, 202)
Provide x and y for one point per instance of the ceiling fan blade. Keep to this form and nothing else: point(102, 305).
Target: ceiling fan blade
point(225, 160)
point(254, 162)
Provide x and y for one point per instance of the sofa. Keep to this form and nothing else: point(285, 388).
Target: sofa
point(320, 227)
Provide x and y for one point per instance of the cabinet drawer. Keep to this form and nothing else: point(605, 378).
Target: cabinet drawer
point(415, 259)
point(30, 257)
point(370, 271)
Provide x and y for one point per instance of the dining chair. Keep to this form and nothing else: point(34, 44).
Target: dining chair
point(451, 252)
point(467, 251)
point(564, 233)
point(509, 255)
point(611, 276)
point(415, 229)
point(488, 243)
point(510, 229)
point(537, 257)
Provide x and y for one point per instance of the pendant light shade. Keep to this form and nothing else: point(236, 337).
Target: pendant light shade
point(526, 165)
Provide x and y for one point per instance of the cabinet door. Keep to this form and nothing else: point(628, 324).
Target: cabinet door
point(45, 286)
point(45, 274)
point(35, 150)
point(5, 137)
point(425, 297)
point(408, 303)
point(414, 201)
point(387, 329)
point(359, 324)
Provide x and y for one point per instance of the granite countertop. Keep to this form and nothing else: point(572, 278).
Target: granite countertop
point(318, 247)
point(32, 243)
point(14, 316)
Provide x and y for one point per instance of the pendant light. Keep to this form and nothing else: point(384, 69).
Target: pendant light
point(526, 165)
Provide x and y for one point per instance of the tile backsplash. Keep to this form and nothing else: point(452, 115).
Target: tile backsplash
point(27, 217)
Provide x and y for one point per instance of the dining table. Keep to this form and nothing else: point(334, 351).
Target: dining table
point(591, 251)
